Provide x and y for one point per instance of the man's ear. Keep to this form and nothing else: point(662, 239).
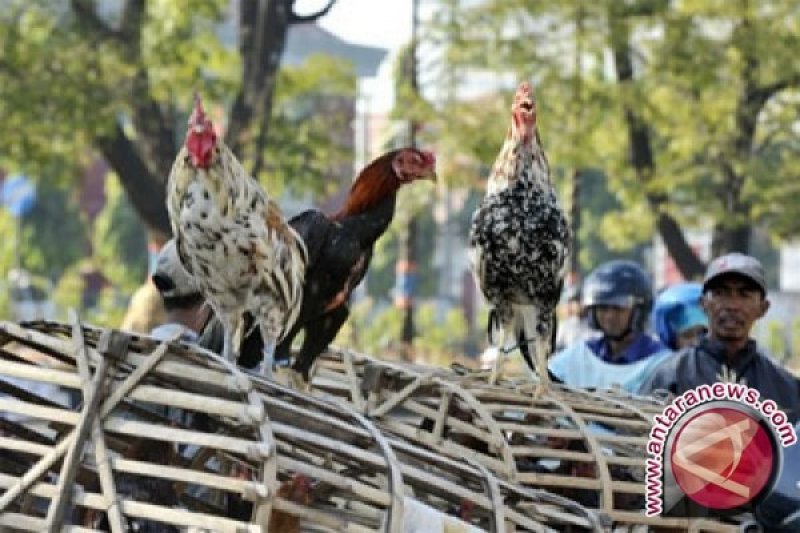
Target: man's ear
point(704, 303)
point(764, 307)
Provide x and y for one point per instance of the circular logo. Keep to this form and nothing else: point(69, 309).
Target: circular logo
point(723, 457)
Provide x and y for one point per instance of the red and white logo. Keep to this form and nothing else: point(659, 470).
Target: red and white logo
point(722, 458)
point(717, 445)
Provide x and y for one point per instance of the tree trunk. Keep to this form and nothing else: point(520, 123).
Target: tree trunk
point(641, 152)
point(407, 258)
point(145, 191)
point(727, 239)
point(575, 228)
point(143, 163)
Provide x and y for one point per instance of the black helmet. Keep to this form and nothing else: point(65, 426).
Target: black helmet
point(619, 283)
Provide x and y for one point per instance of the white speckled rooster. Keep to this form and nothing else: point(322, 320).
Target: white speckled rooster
point(234, 240)
point(519, 242)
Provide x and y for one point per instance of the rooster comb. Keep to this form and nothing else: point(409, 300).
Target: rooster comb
point(198, 116)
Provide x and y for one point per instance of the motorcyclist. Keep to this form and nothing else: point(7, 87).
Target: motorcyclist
point(678, 318)
point(618, 297)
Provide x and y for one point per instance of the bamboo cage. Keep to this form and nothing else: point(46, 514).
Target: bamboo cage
point(588, 446)
point(101, 429)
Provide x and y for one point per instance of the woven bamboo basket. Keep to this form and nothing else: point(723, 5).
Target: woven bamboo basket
point(587, 446)
point(100, 429)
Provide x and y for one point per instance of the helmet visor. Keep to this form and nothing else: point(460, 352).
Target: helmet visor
point(614, 300)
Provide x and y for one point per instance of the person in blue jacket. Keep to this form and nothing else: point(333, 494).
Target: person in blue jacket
point(678, 318)
point(618, 297)
point(734, 298)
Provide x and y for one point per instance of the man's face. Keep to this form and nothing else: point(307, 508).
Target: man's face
point(613, 320)
point(733, 304)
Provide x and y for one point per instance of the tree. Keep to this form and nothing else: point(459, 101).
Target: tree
point(79, 74)
point(118, 242)
point(687, 107)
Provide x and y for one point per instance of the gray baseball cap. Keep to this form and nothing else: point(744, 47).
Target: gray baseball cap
point(170, 278)
point(736, 263)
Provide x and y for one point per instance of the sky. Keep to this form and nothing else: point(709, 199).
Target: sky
point(383, 23)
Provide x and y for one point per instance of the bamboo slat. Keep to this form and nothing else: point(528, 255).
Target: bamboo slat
point(238, 452)
point(588, 446)
point(181, 437)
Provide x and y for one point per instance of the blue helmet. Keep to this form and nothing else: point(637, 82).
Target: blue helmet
point(676, 308)
point(619, 283)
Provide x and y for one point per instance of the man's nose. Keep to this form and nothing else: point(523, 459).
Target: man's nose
point(727, 303)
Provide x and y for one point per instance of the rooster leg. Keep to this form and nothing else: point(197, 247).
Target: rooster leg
point(227, 342)
point(501, 355)
point(542, 346)
point(537, 333)
point(268, 354)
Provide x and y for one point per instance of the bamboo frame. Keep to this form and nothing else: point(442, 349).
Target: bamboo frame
point(358, 437)
point(363, 479)
point(586, 445)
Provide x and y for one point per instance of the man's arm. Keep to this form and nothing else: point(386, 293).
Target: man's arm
point(663, 377)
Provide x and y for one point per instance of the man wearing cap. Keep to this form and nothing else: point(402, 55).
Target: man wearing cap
point(734, 296)
point(187, 313)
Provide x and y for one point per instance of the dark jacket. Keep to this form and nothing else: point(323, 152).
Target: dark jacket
point(703, 365)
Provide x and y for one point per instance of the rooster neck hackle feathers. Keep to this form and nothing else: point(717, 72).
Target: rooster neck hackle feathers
point(375, 183)
point(521, 160)
point(380, 180)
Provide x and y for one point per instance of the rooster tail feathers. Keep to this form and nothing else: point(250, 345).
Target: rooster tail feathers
point(296, 276)
point(492, 326)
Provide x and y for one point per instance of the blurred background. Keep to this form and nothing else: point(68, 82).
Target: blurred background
point(672, 128)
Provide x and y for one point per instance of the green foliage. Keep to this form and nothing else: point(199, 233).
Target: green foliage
point(794, 332)
point(67, 81)
point(693, 63)
point(775, 339)
point(62, 87)
point(54, 232)
point(374, 327)
point(69, 289)
point(53, 236)
point(120, 245)
point(109, 310)
point(310, 139)
point(7, 245)
point(408, 104)
point(440, 340)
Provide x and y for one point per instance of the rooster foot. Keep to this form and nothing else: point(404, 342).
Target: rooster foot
point(497, 373)
point(492, 356)
point(298, 382)
point(540, 390)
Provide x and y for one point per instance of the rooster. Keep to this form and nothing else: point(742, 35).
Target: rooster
point(519, 242)
point(234, 240)
point(340, 248)
point(298, 489)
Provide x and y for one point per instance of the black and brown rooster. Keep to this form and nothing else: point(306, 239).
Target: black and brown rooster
point(340, 248)
point(519, 242)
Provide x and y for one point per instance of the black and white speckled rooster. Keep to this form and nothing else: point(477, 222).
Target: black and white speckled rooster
point(519, 242)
